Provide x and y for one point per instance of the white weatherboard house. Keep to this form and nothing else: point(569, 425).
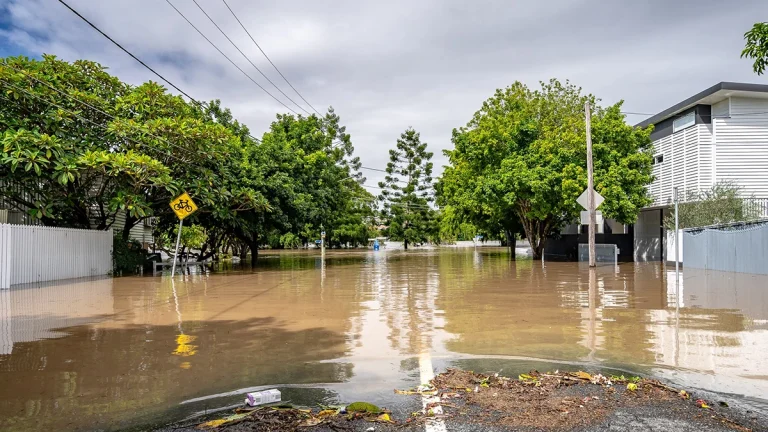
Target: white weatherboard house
point(717, 135)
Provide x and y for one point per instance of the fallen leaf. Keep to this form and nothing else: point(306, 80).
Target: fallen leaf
point(223, 421)
point(312, 421)
point(363, 407)
point(583, 375)
point(684, 394)
point(631, 386)
point(702, 403)
point(723, 404)
point(385, 418)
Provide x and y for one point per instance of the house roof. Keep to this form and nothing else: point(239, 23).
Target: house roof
point(710, 96)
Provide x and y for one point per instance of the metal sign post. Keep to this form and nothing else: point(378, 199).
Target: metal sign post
point(677, 247)
point(176, 254)
point(183, 206)
point(322, 241)
point(590, 187)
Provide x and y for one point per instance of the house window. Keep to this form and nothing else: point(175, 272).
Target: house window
point(658, 159)
point(683, 122)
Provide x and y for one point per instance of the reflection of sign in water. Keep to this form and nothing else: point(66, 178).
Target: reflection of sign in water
point(184, 347)
point(183, 206)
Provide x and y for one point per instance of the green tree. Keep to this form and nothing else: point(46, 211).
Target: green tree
point(407, 191)
point(453, 227)
point(82, 146)
point(756, 47)
point(522, 159)
point(70, 169)
point(720, 204)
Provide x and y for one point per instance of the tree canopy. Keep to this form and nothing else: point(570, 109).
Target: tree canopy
point(407, 191)
point(80, 147)
point(520, 162)
point(756, 46)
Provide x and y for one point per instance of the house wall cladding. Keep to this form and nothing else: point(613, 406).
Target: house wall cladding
point(741, 145)
point(742, 249)
point(30, 254)
point(687, 163)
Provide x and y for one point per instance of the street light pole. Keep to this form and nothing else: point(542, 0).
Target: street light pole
point(590, 187)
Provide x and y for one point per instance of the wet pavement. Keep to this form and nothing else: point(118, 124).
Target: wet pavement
point(140, 352)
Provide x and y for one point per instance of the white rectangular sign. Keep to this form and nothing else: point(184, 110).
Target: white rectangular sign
point(585, 217)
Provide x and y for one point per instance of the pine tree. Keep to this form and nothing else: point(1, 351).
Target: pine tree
point(407, 191)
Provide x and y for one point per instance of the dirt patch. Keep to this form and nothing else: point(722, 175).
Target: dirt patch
point(558, 401)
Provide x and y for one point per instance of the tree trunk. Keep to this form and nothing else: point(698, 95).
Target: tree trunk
point(130, 222)
point(510, 244)
point(242, 251)
point(254, 244)
point(405, 244)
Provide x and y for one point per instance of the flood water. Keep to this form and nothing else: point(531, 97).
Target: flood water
point(140, 351)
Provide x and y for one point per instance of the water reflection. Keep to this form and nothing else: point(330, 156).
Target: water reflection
point(126, 352)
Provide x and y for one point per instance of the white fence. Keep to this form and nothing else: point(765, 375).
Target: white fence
point(39, 254)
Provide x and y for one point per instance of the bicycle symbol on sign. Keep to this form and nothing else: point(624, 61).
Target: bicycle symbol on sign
point(183, 205)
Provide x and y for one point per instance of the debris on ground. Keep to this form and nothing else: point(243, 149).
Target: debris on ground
point(289, 418)
point(555, 400)
point(548, 401)
point(262, 397)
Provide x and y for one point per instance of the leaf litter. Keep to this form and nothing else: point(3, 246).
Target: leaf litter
point(554, 400)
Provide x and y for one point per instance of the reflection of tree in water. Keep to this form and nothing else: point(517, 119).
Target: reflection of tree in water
point(97, 377)
point(408, 298)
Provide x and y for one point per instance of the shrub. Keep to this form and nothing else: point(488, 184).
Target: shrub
point(127, 256)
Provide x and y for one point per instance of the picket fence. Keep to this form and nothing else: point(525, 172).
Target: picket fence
point(30, 254)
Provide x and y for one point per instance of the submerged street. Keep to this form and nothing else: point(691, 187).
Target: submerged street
point(140, 352)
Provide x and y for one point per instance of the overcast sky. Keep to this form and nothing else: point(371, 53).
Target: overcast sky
point(385, 66)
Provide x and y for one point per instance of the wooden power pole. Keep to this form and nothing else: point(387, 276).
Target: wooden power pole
point(590, 187)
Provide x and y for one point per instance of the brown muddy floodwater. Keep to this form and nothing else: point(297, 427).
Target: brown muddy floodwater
point(139, 351)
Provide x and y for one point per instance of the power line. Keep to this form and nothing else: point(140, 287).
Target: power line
point(245, 56)
point(128, 52)
point(267, 57)
point(229, 59)
point(198, 103)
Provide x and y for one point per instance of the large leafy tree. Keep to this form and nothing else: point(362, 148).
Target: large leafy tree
point(756, 46)
point(407, 191)
point(79, 147)
point(305, 169)
point(61, 160)
point(522, 160)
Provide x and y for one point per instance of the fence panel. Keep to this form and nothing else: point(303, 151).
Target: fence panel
point(40, 254)
point(741, 248)
point(5, 256)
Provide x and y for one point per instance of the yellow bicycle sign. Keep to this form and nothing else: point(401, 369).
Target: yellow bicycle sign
point(183, 206)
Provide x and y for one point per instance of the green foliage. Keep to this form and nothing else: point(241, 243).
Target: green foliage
point(127, 256)
point(719, 204)
point(521, 162)
point(407, 191)
point(453, 227)
point(136, 147)
point(756, 46)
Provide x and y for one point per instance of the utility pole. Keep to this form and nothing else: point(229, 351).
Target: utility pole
point(590, 187)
